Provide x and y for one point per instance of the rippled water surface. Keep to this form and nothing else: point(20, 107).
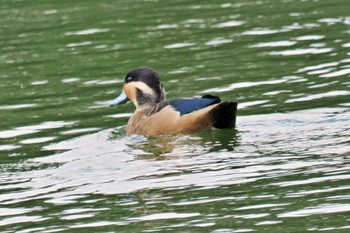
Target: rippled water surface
point(66, 163)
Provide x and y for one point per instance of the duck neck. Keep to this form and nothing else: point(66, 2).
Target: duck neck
point(144, 99)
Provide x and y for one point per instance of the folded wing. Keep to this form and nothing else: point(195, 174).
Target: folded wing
point(185, 106)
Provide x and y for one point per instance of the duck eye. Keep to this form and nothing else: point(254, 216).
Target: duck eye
point(129, 79)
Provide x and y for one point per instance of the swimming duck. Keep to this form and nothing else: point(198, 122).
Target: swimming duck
point(154, 115)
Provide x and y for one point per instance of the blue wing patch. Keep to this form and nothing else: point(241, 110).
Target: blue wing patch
point(185, 106)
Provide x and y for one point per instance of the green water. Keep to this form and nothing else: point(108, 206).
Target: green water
point(66, 164)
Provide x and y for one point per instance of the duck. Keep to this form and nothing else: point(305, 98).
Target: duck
point(155, 115)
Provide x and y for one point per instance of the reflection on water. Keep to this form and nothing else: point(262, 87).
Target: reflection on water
point(16, 106)
point(67, 165)
point(301, 51)
point(23, 130)
point(319, 96)
point(280, 156)
point(87, 31)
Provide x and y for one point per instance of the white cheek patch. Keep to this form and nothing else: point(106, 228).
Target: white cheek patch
point(130, 90)
point(144, 88)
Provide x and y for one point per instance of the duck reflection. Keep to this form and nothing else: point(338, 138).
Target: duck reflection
point(168, 146)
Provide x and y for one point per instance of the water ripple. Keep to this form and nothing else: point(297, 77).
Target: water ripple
point(21, 219)
point(8, 147)
point(50, 12)
point(167, 26)
point(30, 129)
point(78, 44)
point(87, 31)
point(169, 215)
point(231, 23)
point(318, 67)
point(262, 31)
point(336, 73)
point(40, 82)
point(171, 173)
point(300, 51)
point(37, 140)
point(310, 37)
point(178, 45)
point(283, 43)
point(319, 96)
point(244, 85)
point(320, 209)
point(17, 106)
point(218, 41)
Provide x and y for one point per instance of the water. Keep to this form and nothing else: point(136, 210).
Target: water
point(67, 165)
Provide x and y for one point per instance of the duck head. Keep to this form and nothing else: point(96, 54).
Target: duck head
point(143, 87)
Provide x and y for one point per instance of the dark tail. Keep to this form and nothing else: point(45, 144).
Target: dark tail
point(224, 115)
